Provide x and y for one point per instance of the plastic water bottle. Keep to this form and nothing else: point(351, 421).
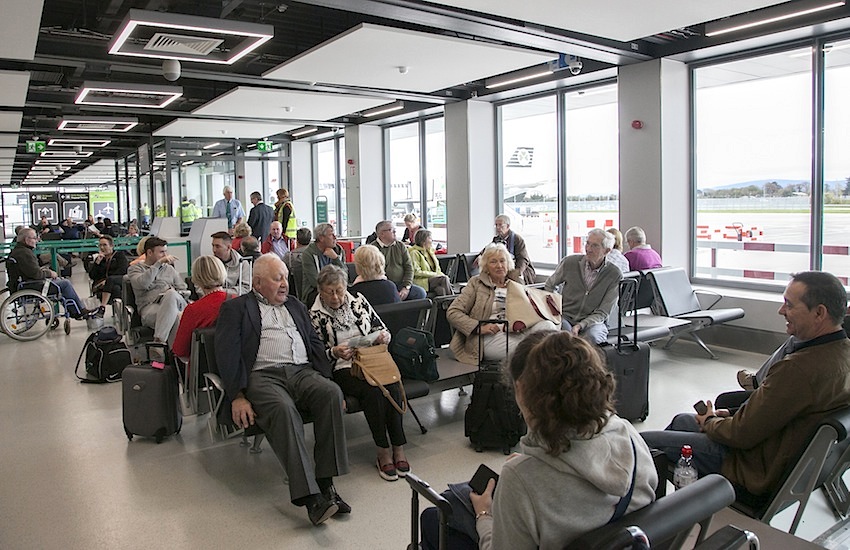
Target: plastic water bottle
point(685, 472)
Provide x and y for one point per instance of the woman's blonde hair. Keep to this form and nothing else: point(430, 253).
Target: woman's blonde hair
point(410, 217)
point(495, 249)
point(208, 272)
point(618, 238)
point(140, 248)
point(241, 229)
point(369, 262)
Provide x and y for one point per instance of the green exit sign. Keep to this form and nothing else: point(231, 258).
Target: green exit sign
point(265, 146)
point(36, 146)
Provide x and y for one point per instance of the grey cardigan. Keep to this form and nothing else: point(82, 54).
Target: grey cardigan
point(582, 306)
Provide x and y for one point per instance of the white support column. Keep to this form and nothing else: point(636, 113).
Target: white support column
point(470, 174)
point(364, 179)
point(655, 182)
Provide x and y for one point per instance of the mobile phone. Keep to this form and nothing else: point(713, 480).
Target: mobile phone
point(481, 477)
point(700, 407)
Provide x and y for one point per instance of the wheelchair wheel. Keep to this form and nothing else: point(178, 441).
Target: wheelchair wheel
point(67, 326)
point(26, 315)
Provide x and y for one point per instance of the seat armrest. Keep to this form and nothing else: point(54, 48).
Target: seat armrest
point(717, 297)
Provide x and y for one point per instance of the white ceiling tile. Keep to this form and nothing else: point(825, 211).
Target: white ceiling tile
point(19, 28)
point(614, 19)
point(188, 127)
point(370, 56)
point(265, 103)
point(10, 121)
point(13, 92)
point(7, 140)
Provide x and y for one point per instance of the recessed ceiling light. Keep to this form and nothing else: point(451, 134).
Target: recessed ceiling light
point(218, 154)
point(66, 154)
point(98, 124)
point(781, 12)
point(57, 162)
point(187, 37)
point(63, 142)
point(211, 145)
point(397, 106)
point(127, 95)
point(305, 131)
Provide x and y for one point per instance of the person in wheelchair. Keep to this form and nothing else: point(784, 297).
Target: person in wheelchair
point(107, 270)
point(26, 265)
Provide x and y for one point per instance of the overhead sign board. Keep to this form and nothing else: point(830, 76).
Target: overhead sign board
point(265, 146)
point(36, 146)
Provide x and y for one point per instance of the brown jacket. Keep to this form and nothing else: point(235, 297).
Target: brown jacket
point(781, 415)
point(475, 303)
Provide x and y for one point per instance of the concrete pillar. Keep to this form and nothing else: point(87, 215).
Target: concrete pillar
point(655, 182)
point(471, 193)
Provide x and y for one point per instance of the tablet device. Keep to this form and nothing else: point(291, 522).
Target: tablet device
point(481, 477)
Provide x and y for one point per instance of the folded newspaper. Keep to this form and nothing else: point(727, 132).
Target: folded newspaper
point(363, 341)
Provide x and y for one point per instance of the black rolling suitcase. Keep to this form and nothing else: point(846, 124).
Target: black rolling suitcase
point(151, 402)
point(492, 419)
point(629, 362)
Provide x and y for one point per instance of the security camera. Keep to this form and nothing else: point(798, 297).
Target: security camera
point(575, 65)
point(171, 69)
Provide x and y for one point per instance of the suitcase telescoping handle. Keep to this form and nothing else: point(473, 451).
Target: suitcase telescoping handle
point(481, 340)
point(444, 509)
point(627, 297)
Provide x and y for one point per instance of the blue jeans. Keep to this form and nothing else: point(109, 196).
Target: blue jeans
point(598, 333)
point(68, 292)
point(684, 430)
point(416, 292)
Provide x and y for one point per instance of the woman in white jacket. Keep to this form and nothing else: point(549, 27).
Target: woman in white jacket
point(579, 459)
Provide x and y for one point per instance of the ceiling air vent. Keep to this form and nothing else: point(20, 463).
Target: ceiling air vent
point(181, 44)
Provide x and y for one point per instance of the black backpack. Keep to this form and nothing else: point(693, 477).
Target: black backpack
point(493, 418)
point(106, 355)
point(414, 353)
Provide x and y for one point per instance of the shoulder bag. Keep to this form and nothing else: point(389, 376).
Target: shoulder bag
point(375, 365)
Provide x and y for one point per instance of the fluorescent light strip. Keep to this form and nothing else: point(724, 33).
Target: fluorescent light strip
point(218, 154)
point(57, 162)
point(769, 20)
point(261, 39)
point(81, 99)
point(383, 110)
point(62, 142)
point(129, 124)
point(304, 132)
point(543, 72)
point(211, 145)
point(826, 49)
point(66, 154)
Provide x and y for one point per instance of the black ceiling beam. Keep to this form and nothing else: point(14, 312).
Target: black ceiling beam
point(525, 35)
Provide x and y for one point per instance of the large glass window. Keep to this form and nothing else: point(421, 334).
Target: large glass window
point(753, 155)
point(435, 179)
point(529, 131)
point(326, 179)
point(405, 186)
point(592, 164)
point(836, 161)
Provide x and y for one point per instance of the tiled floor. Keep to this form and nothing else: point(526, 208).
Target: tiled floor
point(70, 479)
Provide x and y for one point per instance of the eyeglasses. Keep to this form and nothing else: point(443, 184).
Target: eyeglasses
point(338, 292)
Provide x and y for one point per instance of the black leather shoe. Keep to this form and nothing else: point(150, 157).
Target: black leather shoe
point(333, 497)
point(320, 510)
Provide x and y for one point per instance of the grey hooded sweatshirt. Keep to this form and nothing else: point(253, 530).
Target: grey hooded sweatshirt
point(545, 501)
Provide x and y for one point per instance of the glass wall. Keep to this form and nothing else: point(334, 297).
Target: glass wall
point(533, 190)
point(758, 192)
point(836, 161)
point(435, 179)
point(404, 180)
point(328, 157)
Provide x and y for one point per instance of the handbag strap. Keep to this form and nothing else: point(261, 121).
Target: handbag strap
point(623, 503)
point(401, 409)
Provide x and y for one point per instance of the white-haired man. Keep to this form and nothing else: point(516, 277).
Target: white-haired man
point(589, 287)
point(228, 208)
point(640, 254)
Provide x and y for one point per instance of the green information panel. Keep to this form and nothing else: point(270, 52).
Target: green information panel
point(103, 204)
point(321, 209)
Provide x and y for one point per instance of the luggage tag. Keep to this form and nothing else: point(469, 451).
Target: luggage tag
point(157, 365)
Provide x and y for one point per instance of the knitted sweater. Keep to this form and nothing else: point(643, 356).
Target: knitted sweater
point(582, 306)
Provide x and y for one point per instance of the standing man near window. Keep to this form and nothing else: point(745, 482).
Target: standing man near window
point(261, 217)
point(228, 208)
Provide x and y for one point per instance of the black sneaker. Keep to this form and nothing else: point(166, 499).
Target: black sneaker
point(333, 497)
point(320, 510)
point(99, 312)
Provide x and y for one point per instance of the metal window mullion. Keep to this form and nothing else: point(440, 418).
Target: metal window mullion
point(561, 142)
point(817, 205)
point(423, 195)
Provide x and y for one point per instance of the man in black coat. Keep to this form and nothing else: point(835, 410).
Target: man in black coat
point(273, 365)
point(261, 217)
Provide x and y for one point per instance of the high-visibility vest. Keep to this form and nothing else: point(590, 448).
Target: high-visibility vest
point(292, 224)
point(187, 212)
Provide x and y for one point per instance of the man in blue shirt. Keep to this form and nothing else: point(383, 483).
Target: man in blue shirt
point(229, 208)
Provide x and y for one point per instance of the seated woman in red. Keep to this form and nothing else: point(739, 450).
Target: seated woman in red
point(208, 274)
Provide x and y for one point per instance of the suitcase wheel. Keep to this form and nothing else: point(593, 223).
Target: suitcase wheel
point(159, 438)
point(129, 435)
point(506, 450)
point(479, 449)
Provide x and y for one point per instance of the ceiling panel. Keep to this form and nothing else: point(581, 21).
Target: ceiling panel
point(10, 121)
point(373, 56)
point(282, 104)
point(13, 92)
point(187, 127)
point(19, 32)
point(7, 140)
point(614, 19)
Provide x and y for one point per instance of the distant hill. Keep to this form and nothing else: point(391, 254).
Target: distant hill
point(760, 183)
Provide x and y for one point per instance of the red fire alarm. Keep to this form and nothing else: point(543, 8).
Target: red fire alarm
point(637, 125)
point(350, 161)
